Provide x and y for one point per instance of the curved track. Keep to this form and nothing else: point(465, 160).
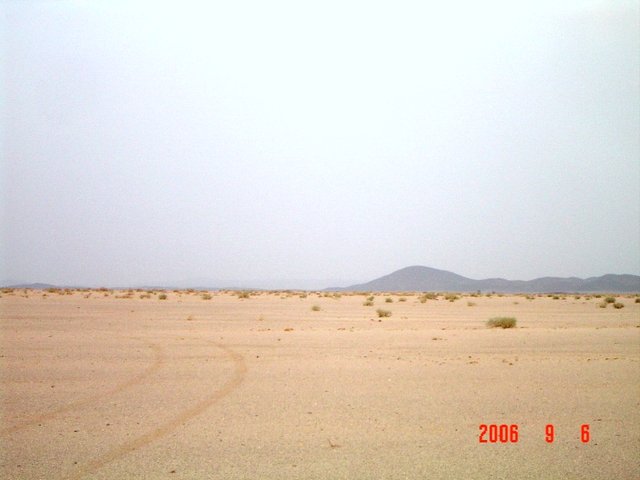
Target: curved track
point(145, 439)
point(158, 361)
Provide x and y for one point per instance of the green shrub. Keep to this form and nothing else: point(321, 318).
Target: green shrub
point(610, 299)
point(501, 322)
point(383, 313)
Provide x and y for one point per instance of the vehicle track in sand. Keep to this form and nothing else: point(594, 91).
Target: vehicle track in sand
point(159, 359)
point(128, 447)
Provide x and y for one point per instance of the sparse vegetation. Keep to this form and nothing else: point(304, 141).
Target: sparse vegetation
point(162, 296)
point(388, 300)
point(501, 322)
point(427, 296)
point(383, 313)
point(368, 303)
point(618, 305)
point(244, 295)
point(471, 304)
point(316, 308)
point(610, 299)
point(603, 304)
point(402, 299)
point(206, 296)
point(451, 297)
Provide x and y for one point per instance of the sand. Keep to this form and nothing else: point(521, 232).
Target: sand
point(94, 385)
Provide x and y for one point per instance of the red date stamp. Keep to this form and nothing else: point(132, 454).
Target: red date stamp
point(509, 433)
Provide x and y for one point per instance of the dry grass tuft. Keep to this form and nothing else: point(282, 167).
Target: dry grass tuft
point(501, 322)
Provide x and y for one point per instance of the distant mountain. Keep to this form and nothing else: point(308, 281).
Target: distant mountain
point(426, 279)
point(33, 286)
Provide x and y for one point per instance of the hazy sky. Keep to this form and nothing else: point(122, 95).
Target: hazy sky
point(306, 144)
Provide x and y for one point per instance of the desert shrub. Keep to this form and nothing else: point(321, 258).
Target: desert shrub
point(368, 303)
point(206, 296)
point(162, 296)
point(501, 322)
point(383, 313)
point(618, 305)
point(388, 300)
point(370, 298)
point(451, 297)
point(244, 295)
point(603, 304)
point(556, 297)
point(610, 299)
point(427, 296)
point(637, 300)
point(402, 299)
point(316, 308)
point(471, 304)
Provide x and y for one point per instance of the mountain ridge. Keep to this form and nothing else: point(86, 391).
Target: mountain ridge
point(421, 278)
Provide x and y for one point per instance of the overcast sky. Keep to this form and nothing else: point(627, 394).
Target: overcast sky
point(287, 144)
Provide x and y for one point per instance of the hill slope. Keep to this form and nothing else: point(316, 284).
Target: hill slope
point(419, 278)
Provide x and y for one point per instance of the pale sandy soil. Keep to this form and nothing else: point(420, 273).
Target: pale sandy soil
point(187, 388)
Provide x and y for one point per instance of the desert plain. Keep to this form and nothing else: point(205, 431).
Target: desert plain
point(117, 384)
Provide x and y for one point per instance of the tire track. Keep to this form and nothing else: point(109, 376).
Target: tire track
point(158, 361)
point(240, 370)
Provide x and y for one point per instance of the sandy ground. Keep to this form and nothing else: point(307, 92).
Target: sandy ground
point(96, 386)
